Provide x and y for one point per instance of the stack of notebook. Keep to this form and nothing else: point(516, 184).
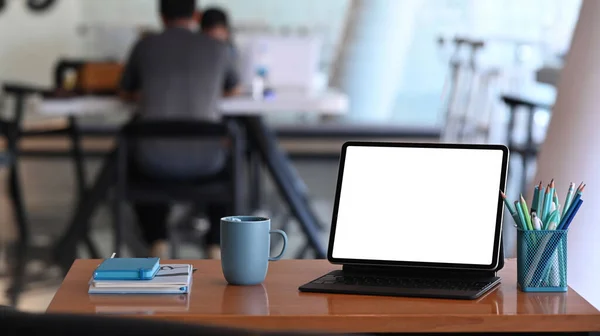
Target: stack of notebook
point(140, 276)
point(141, 304)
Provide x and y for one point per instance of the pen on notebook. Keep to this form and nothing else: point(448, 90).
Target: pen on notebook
point(568, 199)
point(526, 213)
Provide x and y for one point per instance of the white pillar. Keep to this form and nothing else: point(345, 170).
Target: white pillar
point(371, 63)
point(571, 152)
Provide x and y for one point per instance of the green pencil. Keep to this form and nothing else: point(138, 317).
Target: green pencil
point(508, 205)
point(521, 216)
point(526, 213)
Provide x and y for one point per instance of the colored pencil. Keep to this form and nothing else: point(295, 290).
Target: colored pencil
point(548, 200)
point(564, 219)
point(540, 205)
point(572, 216)
point(507, 203)
point(526, 213)
point(555, 200)
point(536, 197)
point(521, 216)
point(568, 199)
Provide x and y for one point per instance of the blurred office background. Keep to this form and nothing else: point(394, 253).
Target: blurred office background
point(413, 70)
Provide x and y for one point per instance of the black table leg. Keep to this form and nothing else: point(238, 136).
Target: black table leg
point(529, 147)
point(510, 133)
point(20, 216)
point(254, 180)
point(79, 165)
point(66, 247)
point(263, 139)
point(16, 197)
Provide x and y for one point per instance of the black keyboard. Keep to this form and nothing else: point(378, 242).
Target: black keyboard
point(337, 282)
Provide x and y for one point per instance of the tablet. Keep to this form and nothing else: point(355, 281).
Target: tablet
point(422, 205)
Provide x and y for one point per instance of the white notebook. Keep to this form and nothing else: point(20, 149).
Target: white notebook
point(171, 278)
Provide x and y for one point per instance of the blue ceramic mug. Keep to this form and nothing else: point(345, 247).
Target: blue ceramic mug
point(246, 248)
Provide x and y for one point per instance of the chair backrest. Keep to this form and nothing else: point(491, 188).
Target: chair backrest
point(177, 129)
point(4, 159)
point(184, 129)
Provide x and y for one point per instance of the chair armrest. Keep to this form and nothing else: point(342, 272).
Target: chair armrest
point(174, 129)
point(514, 101)
point(23, 89)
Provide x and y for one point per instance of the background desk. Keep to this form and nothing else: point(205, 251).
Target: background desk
point(277, 304)
point(245, 111)
point(261, 140)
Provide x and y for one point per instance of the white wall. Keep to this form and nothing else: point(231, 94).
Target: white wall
point(120, 12)
point(571, 153)
point(30, 43)
point(327, 17)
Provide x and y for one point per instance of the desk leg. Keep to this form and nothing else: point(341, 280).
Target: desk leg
point(79, 165)
point(529, 148)
point(66, 247)
point(21, 251)
point(265, 142)
point(16, 197)
point(510, 133)
point(254, 179)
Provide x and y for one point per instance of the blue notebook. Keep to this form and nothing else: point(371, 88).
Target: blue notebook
point(127, 269)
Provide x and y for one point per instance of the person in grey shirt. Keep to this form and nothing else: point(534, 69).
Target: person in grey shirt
point(178, 74)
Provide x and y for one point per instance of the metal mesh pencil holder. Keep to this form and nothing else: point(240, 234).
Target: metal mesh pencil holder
point(542, 260)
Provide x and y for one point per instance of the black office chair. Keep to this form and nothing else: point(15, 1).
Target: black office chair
point(228, 190)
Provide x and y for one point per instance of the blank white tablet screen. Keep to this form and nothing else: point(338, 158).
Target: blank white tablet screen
point(434, 205)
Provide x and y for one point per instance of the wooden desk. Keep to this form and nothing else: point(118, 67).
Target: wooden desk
point(277, 304)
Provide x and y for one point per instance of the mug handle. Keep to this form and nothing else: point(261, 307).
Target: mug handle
point(285, 239)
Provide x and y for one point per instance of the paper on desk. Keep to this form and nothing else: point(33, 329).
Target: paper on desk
point(76, 106)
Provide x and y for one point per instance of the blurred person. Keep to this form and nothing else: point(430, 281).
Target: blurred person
point(173, 75)
point(214, 22)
